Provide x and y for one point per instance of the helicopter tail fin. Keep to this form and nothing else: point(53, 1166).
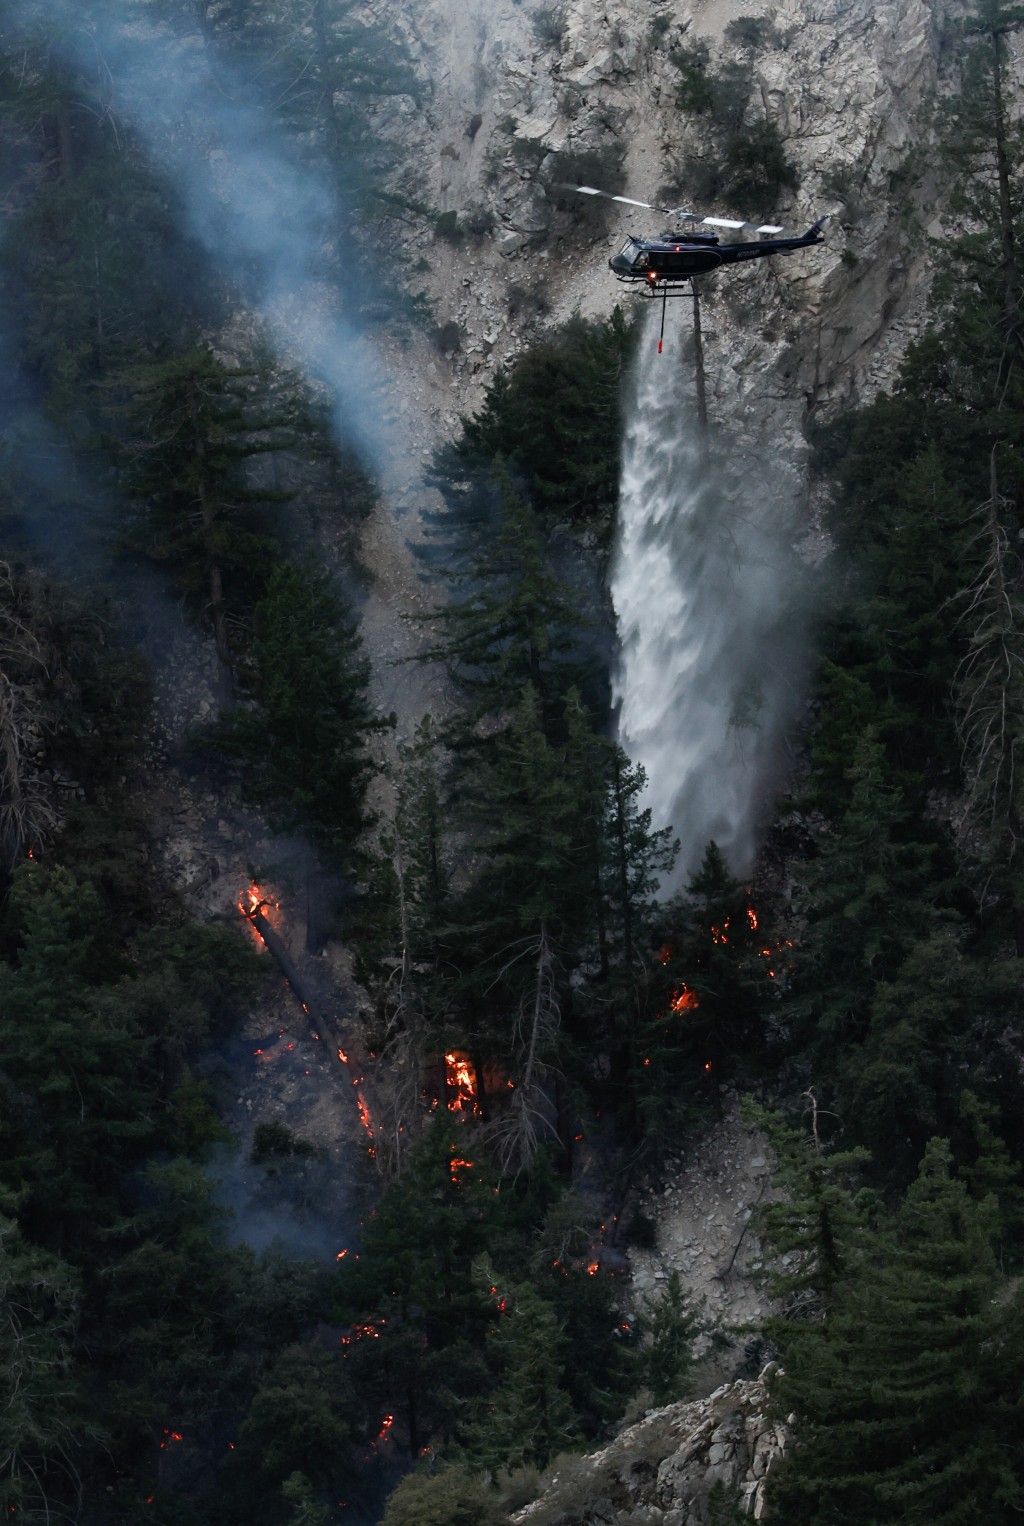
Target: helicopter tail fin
point(814, 234)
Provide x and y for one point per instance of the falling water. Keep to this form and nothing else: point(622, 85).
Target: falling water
point(707, 595)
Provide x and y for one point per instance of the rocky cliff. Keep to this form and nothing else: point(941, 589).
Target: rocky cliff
point(516, 99)
point(662, 1471)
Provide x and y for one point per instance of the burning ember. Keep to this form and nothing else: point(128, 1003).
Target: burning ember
point(386, 1425)
point(256, 901)
point(457, 1164)
point(363, 1332)
point(684, 1000)
point(462, 1084)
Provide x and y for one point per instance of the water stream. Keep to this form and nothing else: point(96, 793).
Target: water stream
point(707, 592)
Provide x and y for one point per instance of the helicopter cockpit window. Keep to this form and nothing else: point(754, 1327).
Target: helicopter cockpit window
point(630, 251)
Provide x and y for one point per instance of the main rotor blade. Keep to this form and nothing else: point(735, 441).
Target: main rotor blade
point(676, 212)
point(590, 190)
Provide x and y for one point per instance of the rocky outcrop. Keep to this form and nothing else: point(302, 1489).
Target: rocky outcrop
point(661, 1471)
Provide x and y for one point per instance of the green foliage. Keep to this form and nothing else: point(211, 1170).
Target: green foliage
point(813, 1229)
point(695, 92)
point(449, 1498)
point(748, 165)
point(510, 621)
point(754, 32)
point(41, 1422)
point(304, 736)
point(528, 1418)
point(903, 1393)
point(705, 1002)
point(671, 1323)
point(321, 68)
point(556, 419)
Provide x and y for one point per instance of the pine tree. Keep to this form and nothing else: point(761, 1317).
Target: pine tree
point(529, 1418)
point(870, 895)
point(41, 1420)
point(671, 1324)
point(510, 621)
point(989, 698)
point(304, 738)
point(901, 1396)
point(556, 419)
point(190, 425)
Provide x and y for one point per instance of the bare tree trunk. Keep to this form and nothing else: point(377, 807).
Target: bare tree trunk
point(1009, 265)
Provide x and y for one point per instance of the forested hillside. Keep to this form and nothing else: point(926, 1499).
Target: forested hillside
point(538, 1030)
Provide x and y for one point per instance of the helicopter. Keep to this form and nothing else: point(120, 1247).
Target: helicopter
point(665, 266)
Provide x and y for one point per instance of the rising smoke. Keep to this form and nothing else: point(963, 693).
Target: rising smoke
point(266, 218)
point(708, 596)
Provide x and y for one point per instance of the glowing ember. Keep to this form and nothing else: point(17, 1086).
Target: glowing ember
point(363, 1332)
point(364, 1113)
point(254, 901)
point(593, 1267)
point(685, 1000)
point(457, 1164)
point(752, 918)
point(386, 1425)
point(461, 1080)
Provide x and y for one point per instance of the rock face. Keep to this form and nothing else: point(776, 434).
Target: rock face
point(513, 96)
point(661, 1471)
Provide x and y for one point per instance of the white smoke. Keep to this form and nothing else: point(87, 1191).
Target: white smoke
point(266, 217)
point(707, 595)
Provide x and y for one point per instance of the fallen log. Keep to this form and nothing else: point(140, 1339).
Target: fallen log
point(274, 945)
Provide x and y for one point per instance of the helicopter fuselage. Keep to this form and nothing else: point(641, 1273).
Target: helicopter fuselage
point(672, 261)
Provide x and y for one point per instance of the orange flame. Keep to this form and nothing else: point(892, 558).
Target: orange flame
point(685, 1000)
point(462, 1084)
point(457, 1164)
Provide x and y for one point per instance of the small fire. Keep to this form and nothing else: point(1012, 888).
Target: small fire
point(364, 1113)
point(593, 1267)
point(362, 1332)
point(386, 1425)
point(457, 1164)
point(685, 1000)
point(255, 901)
point(461, 1080)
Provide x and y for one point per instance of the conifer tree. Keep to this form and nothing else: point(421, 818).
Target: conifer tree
point(304, 738)
point(191, 425)
point(901, 1395)
point(671, 1324)
point(528, 1418)
point(870, 895)
point(41, 1419)
point(510, 621)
